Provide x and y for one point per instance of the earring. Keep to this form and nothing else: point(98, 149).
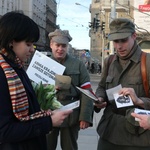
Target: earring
point(10, 46)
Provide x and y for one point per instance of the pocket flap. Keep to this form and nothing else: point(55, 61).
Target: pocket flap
point(109, 79)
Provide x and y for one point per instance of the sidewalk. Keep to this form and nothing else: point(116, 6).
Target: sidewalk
point(88, 138)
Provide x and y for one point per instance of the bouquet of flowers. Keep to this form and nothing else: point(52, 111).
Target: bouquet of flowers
point(46, 95)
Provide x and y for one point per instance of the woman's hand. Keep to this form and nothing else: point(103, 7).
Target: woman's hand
point(58, 116)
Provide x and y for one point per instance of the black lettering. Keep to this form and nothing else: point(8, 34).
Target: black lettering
point(37, 63)
point(49, 75)
point(38, 68)
point(41, 77)
point(52, 72)
point(45, 68)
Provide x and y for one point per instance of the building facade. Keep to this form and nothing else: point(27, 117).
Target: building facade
point(51, 16)
point(104, 11)
point(44, 13)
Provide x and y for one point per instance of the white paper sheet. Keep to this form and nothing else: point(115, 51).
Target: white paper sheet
point(43, 68)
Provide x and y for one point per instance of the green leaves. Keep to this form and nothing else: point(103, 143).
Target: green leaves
point(46, 96)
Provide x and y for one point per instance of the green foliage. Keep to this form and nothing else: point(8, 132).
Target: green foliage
point(46, 96)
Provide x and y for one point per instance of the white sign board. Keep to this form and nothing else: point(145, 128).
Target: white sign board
point(142, 14)
point(43, 68)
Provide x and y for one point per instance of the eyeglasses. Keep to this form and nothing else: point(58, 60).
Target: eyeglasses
point(121, 40)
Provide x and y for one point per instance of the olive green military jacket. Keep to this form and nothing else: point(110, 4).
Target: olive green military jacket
point(113, 125)
point(79, 75)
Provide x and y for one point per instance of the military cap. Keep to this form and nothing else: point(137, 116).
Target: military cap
point(60, 36)
point(121, 28)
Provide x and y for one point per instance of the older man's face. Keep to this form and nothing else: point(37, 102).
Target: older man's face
point(59, 50)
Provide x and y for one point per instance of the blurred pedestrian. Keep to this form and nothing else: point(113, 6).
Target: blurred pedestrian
point(99, 67)
point(93, 67)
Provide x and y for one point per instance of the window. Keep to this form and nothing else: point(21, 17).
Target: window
point(96, 1)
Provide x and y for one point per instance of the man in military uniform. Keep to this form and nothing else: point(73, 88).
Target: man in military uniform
point(81, 118)
point(118, 130)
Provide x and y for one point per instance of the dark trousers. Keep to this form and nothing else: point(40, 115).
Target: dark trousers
point(105, 145)
point(68, 138)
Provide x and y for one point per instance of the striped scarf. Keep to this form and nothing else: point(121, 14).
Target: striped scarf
point(18, 94)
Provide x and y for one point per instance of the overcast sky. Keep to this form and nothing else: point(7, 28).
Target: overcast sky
point(75, 18)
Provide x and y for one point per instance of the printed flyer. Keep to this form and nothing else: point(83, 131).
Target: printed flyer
point(43, 68)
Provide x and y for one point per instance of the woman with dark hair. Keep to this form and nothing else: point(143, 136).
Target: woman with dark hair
point(23, 125)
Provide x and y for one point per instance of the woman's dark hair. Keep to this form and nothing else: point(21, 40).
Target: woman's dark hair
point(15, 26)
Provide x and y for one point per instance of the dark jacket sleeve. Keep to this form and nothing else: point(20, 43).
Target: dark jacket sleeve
point(13, 130)
point(101, 89)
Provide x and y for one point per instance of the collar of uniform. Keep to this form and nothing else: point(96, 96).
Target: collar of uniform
point(136, 57)
point(52, 56)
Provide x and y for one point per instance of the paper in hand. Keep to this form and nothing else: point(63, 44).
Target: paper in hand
point(88, 93)
point(70, 106)
point(112, 91)
point(142, 112)
point(122, 101)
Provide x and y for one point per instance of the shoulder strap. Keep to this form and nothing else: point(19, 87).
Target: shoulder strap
point(144, 74)
point(110, 59)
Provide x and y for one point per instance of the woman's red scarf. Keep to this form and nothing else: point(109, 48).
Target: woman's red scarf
point(18, 94)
